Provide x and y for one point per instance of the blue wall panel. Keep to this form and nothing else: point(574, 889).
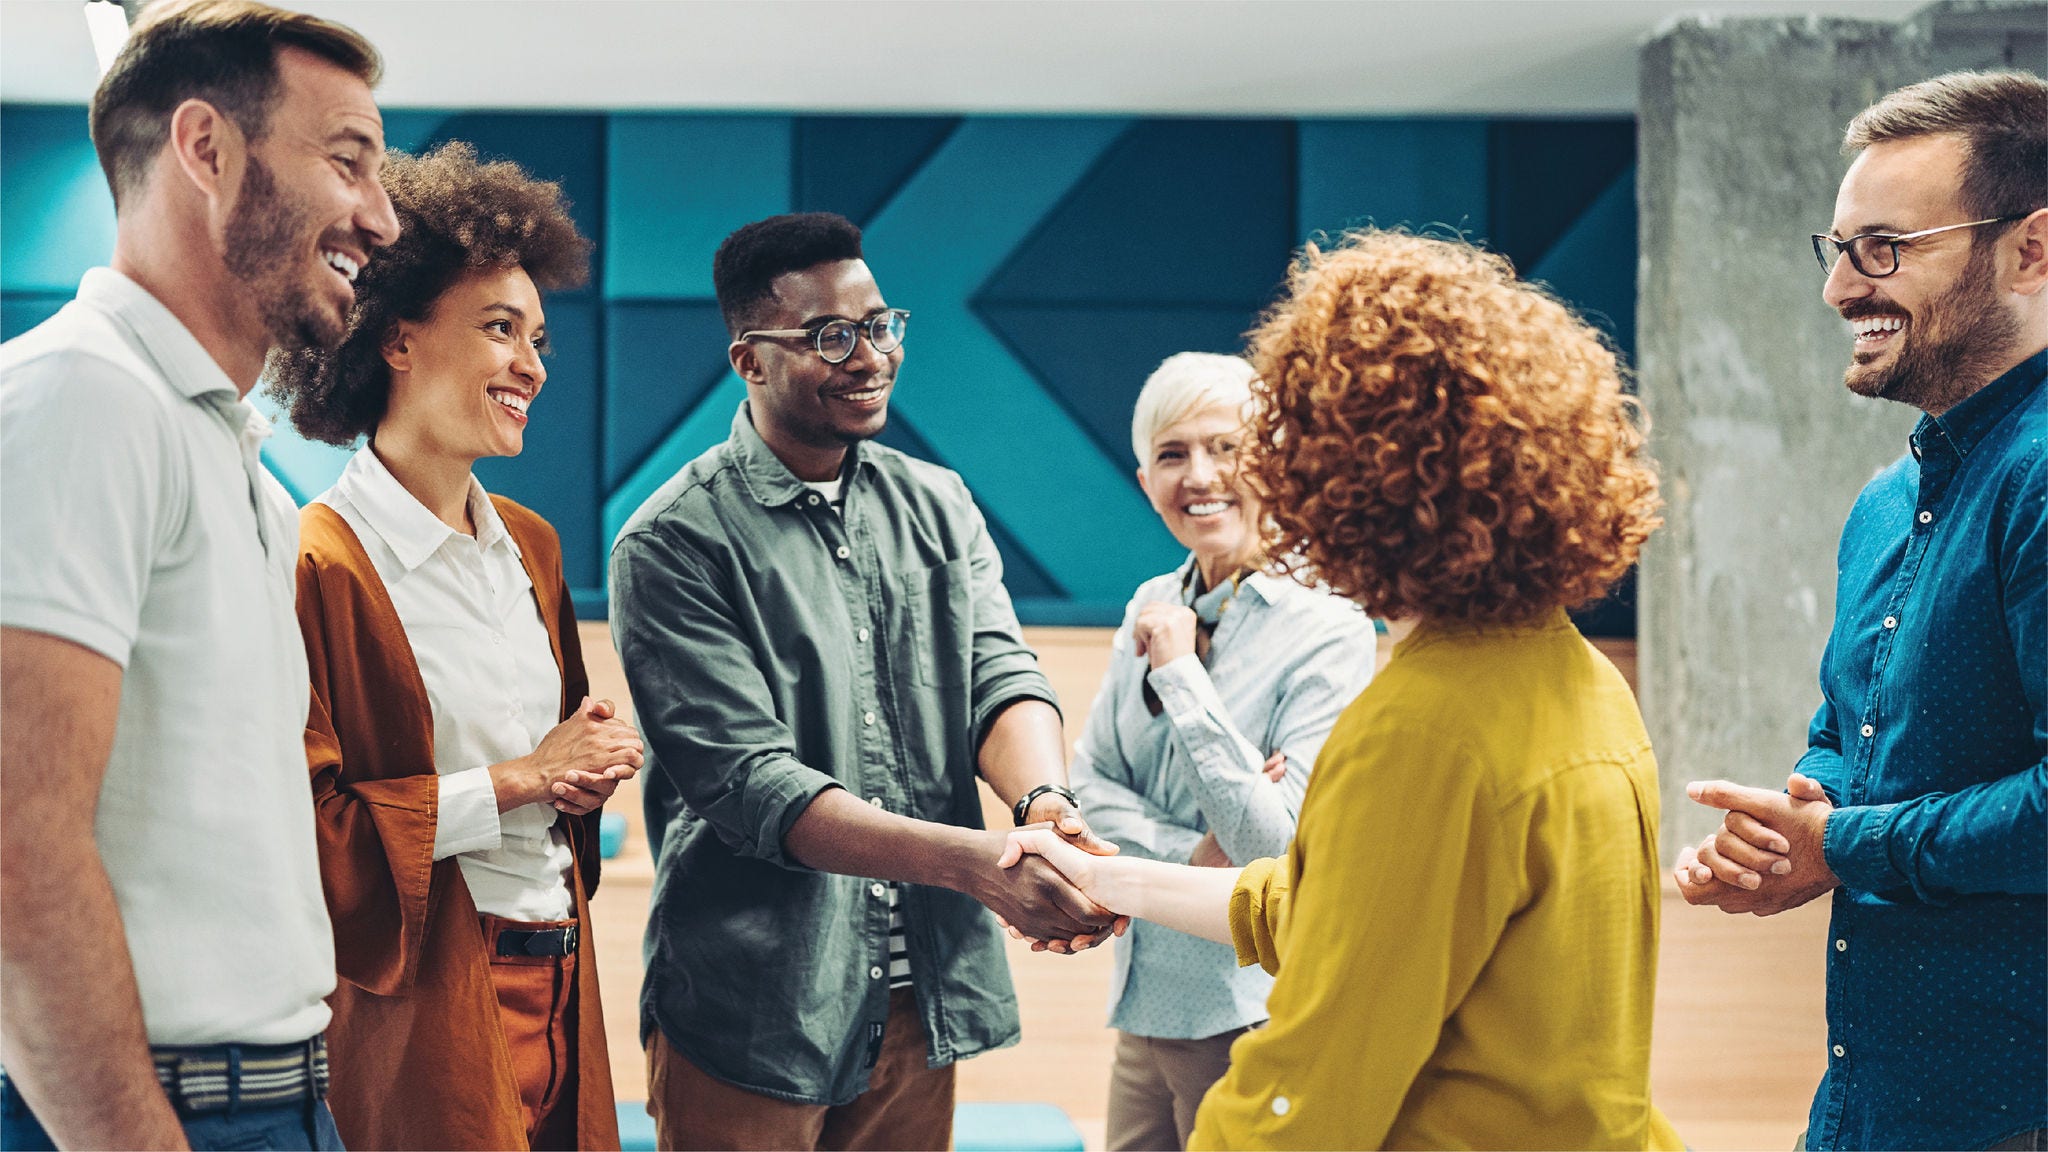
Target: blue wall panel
point(677, 185)
point(56, 216)
point(1051, 263)
point(1393, 173)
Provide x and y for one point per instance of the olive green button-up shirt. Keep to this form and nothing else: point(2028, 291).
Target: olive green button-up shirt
point(774, 649)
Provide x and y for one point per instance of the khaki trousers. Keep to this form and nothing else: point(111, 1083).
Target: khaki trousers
point(906, 1106)
point(1156, 1085)
point(537, 1010)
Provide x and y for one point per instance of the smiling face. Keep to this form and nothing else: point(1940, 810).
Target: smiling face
point(1932, 331)
point(1191, 477)
point(463, 378)
point(310, 208)
point(807, 411)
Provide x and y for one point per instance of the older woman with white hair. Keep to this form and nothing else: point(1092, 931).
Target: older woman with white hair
point(1217, 664)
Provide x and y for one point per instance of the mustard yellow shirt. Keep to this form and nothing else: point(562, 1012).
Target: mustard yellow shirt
point(1464, 931)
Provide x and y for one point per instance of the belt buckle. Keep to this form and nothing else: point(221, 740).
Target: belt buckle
point(569, 940)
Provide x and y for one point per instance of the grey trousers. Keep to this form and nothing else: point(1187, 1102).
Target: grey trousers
point(1156, 1085)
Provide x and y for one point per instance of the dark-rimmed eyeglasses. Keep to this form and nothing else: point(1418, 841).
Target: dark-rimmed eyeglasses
point(835, 340)
point(1876, 254)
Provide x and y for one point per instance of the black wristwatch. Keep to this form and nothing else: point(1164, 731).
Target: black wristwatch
point(1031, 797)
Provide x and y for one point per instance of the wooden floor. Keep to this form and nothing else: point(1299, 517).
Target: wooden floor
point(1739, 1030)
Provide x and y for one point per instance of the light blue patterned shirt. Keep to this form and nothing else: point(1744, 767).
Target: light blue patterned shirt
point(1283, 662)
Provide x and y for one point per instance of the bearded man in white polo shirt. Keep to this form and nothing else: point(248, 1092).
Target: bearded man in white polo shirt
point(164, 947)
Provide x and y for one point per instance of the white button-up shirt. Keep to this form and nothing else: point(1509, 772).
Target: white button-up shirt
point(469, 613)
point(137, 521)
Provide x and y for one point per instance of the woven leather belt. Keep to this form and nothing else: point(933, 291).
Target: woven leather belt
point(546, 942)
point(213, 1077)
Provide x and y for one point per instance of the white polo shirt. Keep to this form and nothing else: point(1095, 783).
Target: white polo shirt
point(137, 521)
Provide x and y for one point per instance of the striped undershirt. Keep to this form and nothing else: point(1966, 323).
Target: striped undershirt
point(834, 492)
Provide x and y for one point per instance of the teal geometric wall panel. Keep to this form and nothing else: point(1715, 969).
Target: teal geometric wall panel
point(853, 164)
point(660, 358)
point(1051, 262)
point(57, 218)
point(1542, 175)
point(1392, 173)
point(676, 186)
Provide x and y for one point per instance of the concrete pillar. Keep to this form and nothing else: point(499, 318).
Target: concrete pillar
point(1761, 448)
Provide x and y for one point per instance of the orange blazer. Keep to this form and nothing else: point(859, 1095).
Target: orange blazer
point(416, 1053)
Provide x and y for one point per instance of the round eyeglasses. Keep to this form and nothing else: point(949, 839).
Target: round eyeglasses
point(1875, 254)
point(835, 340)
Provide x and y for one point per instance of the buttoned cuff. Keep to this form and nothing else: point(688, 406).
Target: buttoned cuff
point(1856, 843)
point(1184, 686)
point(466, 817)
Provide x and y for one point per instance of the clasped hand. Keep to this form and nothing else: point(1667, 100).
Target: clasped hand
point(578, 765)
point(1767, 855)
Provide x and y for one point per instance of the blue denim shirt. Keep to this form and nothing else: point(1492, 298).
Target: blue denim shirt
point(1930, 739)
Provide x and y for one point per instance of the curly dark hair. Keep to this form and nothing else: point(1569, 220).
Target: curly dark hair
point(1438, 439)
point(748, 261)
point(457, 215)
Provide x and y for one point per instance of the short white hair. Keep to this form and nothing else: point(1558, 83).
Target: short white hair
point(1186, 383)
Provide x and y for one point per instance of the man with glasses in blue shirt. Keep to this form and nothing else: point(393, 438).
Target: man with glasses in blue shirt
point(1922, 800)
point(823, 659)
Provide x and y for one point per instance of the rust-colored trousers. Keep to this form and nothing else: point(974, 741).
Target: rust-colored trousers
point(906, 1106)
point(537, 1009)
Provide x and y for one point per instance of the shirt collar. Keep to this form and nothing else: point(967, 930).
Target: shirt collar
point(1965, 425)
point(178, 354)
point(183, 362)
point(412, 532)
point(1266, 585)
point(765, 475)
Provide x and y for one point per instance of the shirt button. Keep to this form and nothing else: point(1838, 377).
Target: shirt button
point(1891, 621)
point(1867, 731)
point(842, 551)
point(1281, 1105)
point(878, 889)
point(868, 718)
point(875, 973)
point(875, 800)
point(814, 498)
point(1841, 945)
point(1926, 517)
point(862, 635)
point(1841, 1051)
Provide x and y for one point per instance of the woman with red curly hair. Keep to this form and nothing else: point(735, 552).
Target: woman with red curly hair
point(1464, 929)
point(457, 763)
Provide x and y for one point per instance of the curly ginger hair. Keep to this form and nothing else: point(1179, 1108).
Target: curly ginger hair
point(1439, 439)
point(457, 215)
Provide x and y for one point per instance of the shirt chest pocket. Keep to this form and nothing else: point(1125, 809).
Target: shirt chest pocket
point(938, 614)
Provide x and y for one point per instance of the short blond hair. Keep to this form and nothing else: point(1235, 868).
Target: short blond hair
point(221, 51)
point(1186, 383)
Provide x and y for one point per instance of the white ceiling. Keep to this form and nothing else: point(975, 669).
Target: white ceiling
point(1223, 57)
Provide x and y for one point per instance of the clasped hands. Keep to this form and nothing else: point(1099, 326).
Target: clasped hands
point(1766, 857)
point(578, 765)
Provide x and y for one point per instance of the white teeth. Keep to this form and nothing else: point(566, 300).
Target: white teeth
point(1873, 325)
point(342, 264)
point(1207, 507)
point(512, 400)
point(861, 397)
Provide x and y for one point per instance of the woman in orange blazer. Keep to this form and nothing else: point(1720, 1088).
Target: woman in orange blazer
point(457, 763)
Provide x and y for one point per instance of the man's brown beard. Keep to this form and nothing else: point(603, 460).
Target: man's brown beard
point(263, 238)
point(1955, 345)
